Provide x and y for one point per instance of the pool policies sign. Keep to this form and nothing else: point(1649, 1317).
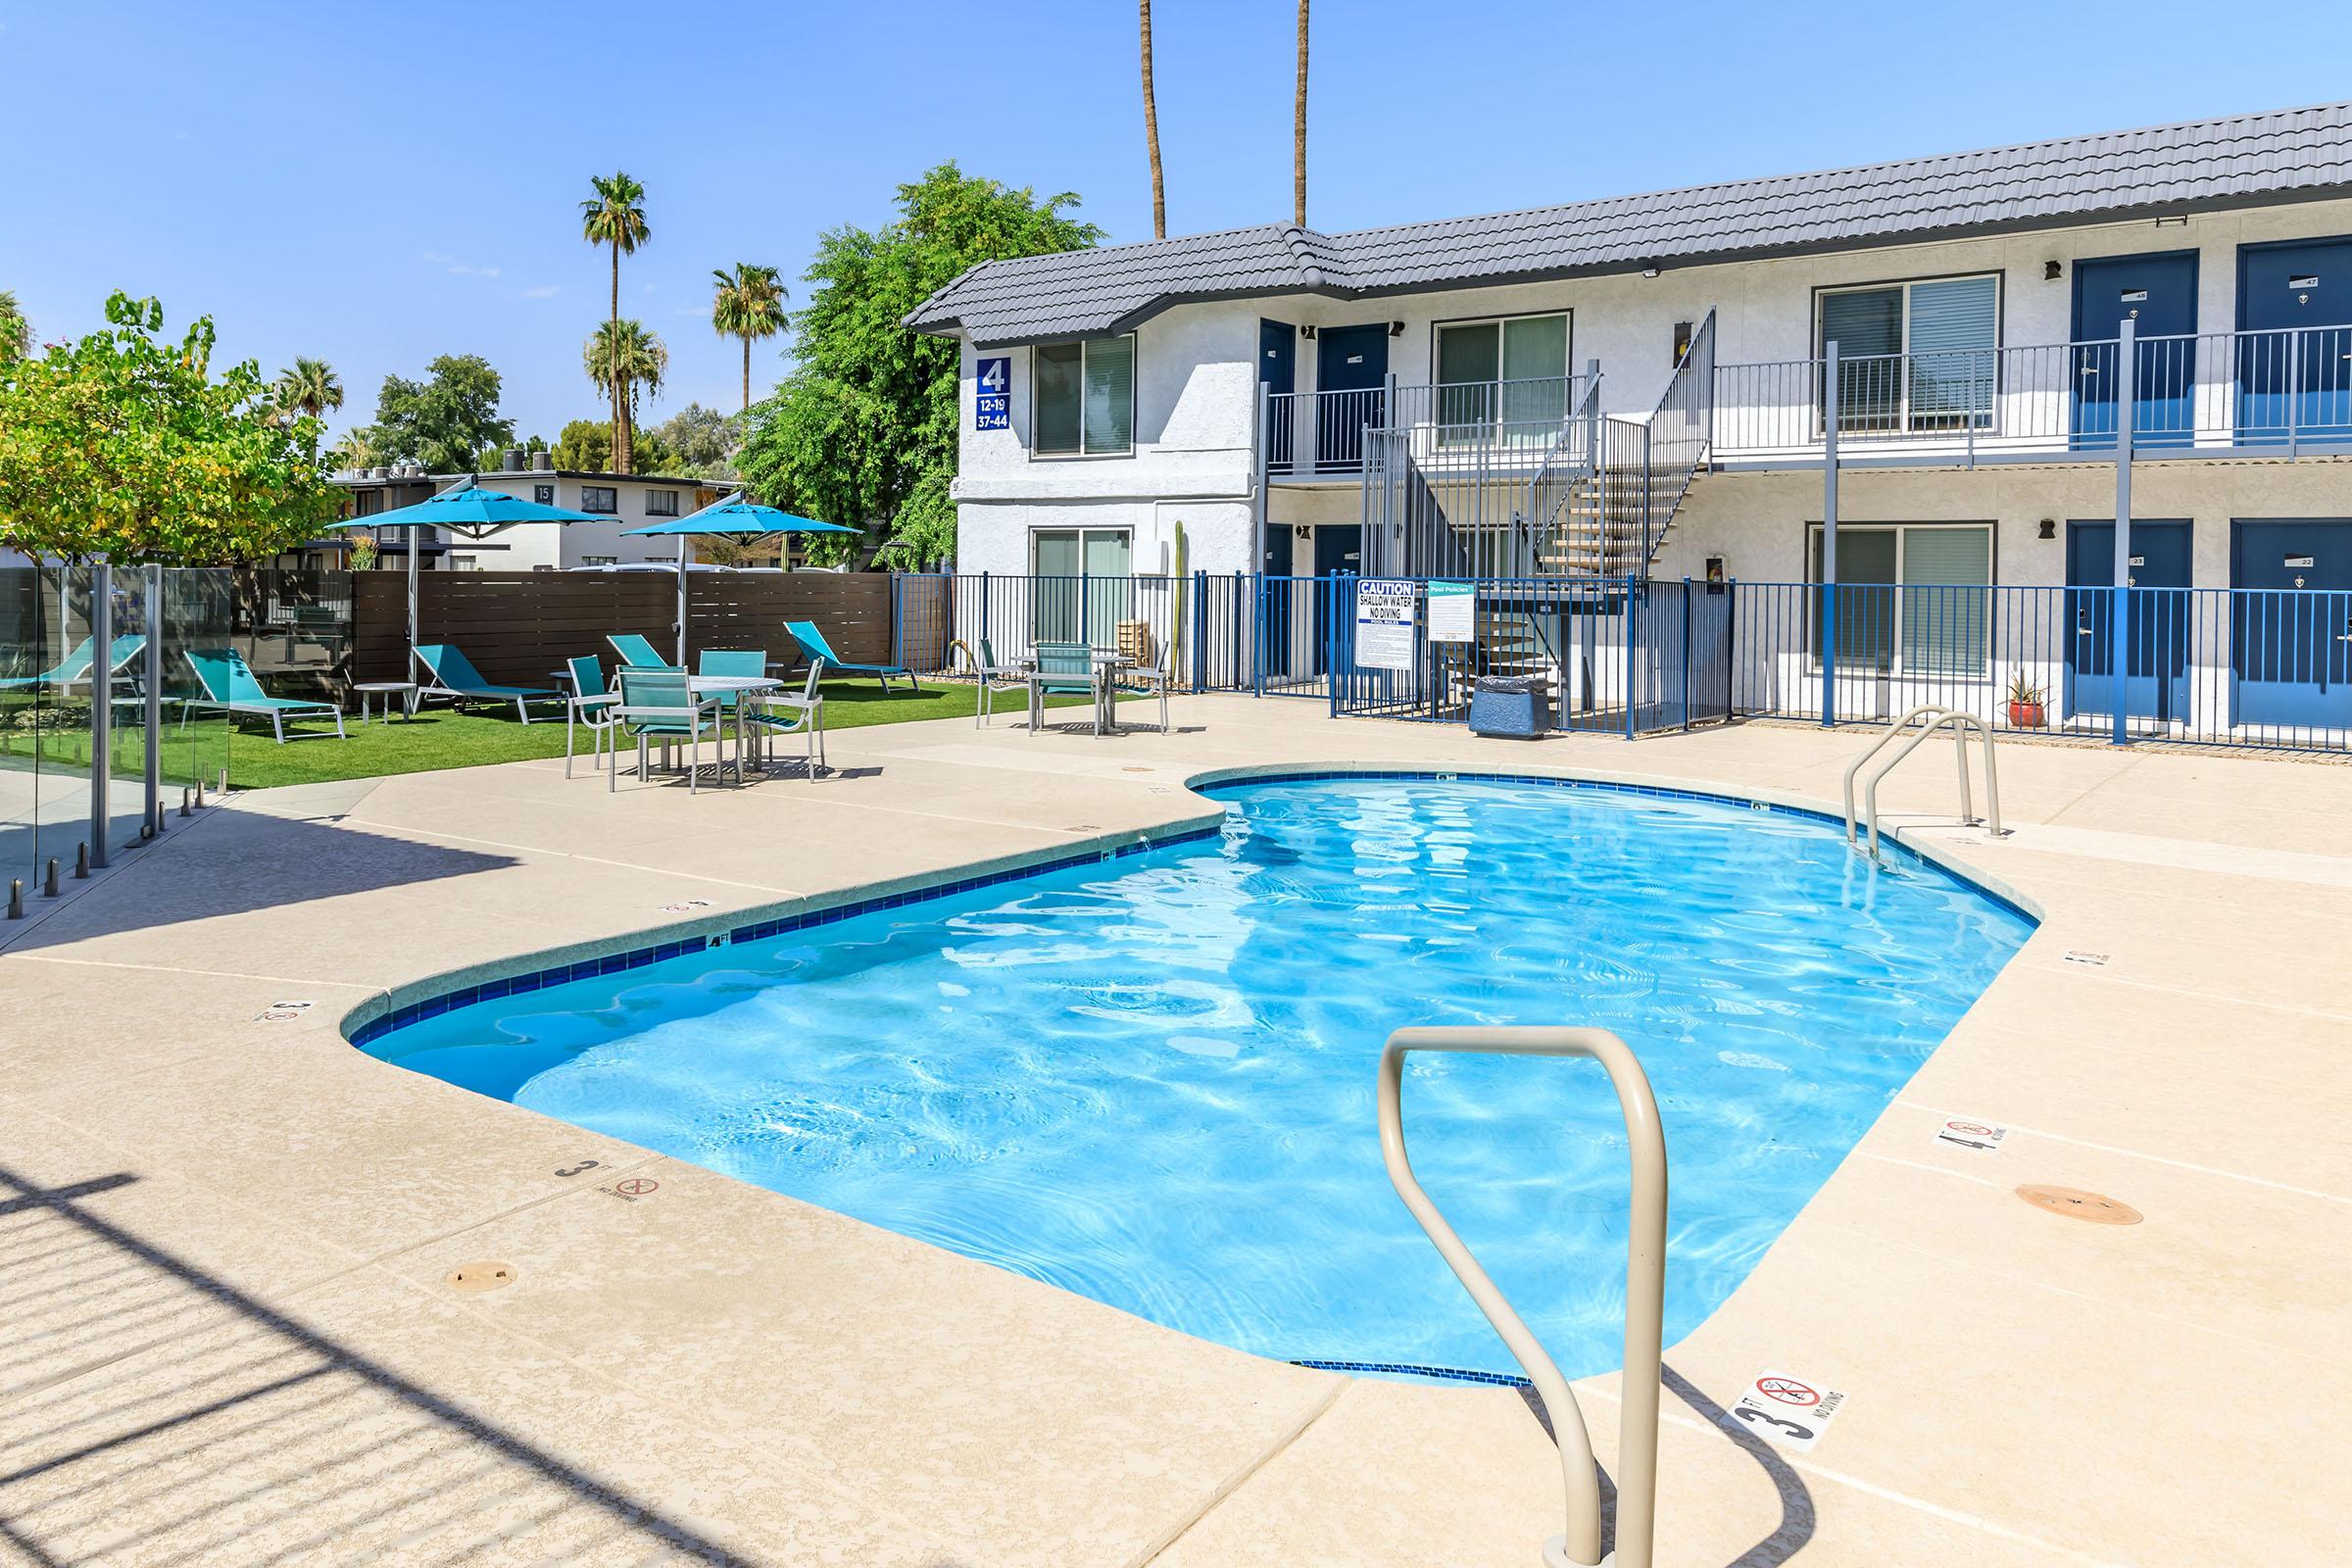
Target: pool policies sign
point(1384, 623)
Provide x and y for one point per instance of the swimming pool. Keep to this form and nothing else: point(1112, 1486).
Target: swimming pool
point(1151, 1079)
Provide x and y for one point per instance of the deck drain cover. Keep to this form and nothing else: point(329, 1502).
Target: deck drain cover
point(481, 1276)
point(2075, 1204)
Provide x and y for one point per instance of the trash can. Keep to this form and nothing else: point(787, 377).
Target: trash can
point(1510, 705)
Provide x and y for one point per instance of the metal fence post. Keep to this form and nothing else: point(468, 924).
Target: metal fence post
point(1329, 588)
point(1686, 653)
point(1200, 631)
point(1632, 645)
point(2127, 398)
point(1829, 533)
point(984, 636)
point(153, 679)
point(1260, 438)
point(102, 708)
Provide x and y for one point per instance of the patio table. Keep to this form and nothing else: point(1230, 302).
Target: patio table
point(746, 688)
point(1109, 661)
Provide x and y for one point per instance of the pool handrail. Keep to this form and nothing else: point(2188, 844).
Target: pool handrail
point(1578, 1546)
point(1894, 734)
point(1961, 723)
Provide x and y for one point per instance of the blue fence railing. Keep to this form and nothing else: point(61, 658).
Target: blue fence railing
point(2233, 667)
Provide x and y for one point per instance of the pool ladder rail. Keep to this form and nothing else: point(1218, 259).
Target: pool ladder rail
point(1937, 717)
point(1579, 1546)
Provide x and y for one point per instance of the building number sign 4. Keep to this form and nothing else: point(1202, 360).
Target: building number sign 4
point(991, 402)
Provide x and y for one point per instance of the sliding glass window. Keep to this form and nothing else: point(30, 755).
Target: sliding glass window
point(1914, 358)
point(1084, 398)
point(1502, 377)
point(1912, 600)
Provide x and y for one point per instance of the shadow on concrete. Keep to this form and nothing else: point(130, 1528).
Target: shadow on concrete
point(1797, 1524)
point(150, 1412)
point(231, 861)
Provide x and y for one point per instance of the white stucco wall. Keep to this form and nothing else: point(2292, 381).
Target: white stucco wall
point(1195, 367)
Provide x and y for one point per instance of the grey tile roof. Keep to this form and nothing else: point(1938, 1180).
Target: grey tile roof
point(2286, 155)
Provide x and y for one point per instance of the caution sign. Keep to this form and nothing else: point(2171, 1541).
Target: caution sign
point(1789, 1410)
point(1978, 1136)
point(1385, 615)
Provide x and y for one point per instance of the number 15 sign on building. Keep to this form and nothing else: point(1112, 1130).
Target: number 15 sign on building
point(992, 408)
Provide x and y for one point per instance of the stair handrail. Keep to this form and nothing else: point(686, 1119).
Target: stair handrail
point(1575, 452)
point(1579, 1546)
point(1694, 368)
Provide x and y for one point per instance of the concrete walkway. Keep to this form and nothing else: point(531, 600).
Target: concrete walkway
point(242, 1265)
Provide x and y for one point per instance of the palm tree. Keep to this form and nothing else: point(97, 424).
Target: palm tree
point(615, 215)
point(749, 304)
point(308, 386)
point(1160, 200)
point(1298, 129)
point(633, 359)
point(16, 332)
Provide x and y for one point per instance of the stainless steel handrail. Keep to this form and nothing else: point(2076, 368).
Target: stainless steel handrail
point(1960, 745)
point(1578, 1546)
point(1938, 718)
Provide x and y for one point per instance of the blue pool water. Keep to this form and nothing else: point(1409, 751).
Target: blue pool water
point(1150, 1080)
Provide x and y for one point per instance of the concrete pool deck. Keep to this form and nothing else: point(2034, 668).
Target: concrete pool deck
point(243, 1322)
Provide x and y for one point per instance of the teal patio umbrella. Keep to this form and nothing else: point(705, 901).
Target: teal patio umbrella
point(465, 509)
point(733, 518)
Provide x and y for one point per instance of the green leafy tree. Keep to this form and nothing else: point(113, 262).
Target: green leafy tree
point(863, 430)
point(443, 420)
point(749, 304)
point(16, 332)
point(585, 446)
point(308, 386)
point(615, 217)
point(701, 441)
point(124, 445)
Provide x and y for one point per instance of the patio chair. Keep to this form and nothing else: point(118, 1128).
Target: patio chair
point(659, 706)
point(75, 667)
point(1064, 670)
point(994, 678)
point(230, 687)
point(591, 705)
point(747, 664)
point(636, 653)
point(1153, 680)
point(802, 714)
point(455, 678)
point(814, 645)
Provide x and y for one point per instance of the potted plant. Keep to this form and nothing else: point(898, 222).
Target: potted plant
point(2024, 703)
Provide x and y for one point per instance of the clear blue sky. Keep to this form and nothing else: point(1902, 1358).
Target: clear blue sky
point(376, 184)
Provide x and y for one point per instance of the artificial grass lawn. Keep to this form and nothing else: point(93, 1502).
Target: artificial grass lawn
point(442, 737)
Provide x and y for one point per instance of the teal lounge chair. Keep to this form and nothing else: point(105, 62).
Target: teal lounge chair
point(659, 707)
point(813, 642)
point(455, 678)
point(230, 687)
point(1064, 670)
point(638, 653)
point(75, 667)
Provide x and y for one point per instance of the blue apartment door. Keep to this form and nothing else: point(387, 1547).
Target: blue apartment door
point(2158, 295)
point(2156, 636)
point(1351, 370)
point(2294, 366)
point(1338, 547)
point(1278, 369)
point(2290, 621)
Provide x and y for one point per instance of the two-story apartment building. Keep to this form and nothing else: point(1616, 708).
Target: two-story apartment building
point(618, 501)
point(1645, 384)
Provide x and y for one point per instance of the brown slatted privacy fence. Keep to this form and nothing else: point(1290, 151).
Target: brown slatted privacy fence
point(520, 626)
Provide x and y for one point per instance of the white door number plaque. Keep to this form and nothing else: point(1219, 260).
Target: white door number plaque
point(1788, 1410)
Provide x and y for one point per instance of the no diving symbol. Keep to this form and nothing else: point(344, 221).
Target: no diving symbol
point(1975, 1129)
point(635, 1187)
point(1788, 1391)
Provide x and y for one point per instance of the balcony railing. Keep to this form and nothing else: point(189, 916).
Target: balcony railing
point(1322, 433)
point(2264, 391)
